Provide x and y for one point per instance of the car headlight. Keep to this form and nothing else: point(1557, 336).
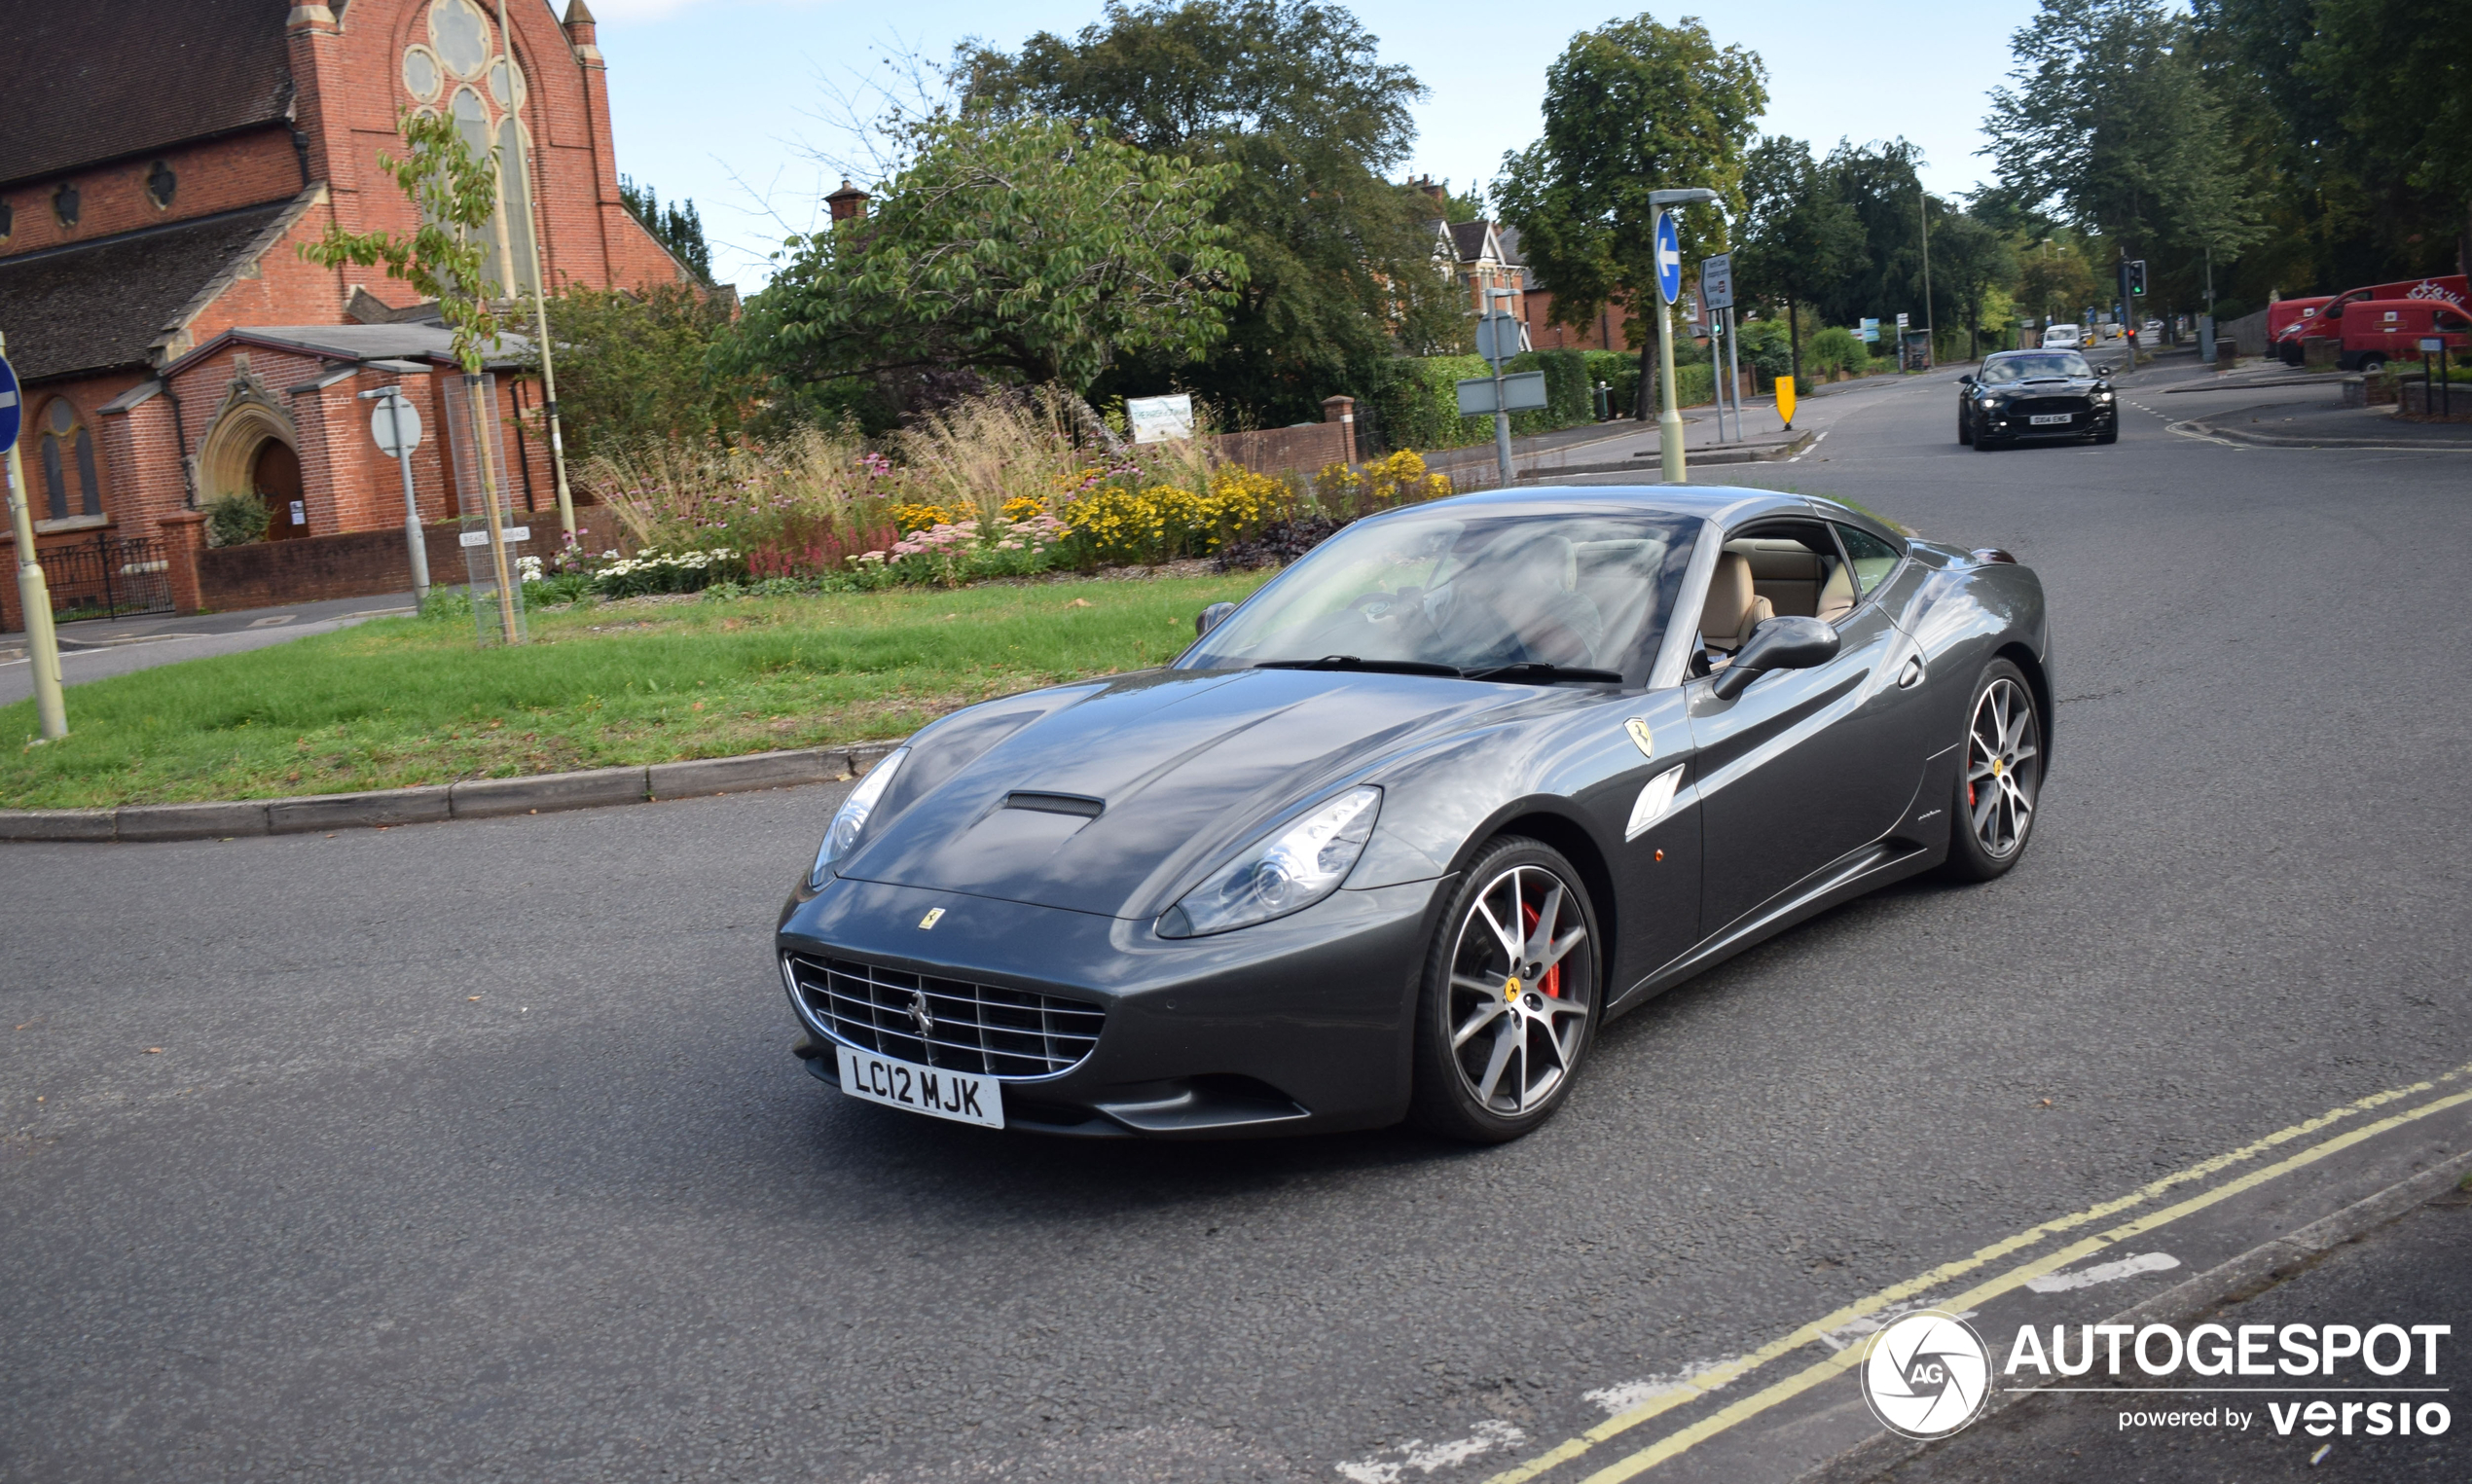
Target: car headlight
point(1283, 872)
point(853, 816)
point(2102, 396)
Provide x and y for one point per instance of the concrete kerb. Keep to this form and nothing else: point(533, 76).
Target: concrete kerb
point(471, 799)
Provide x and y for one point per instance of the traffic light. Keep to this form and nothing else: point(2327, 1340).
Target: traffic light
point(2136, 277)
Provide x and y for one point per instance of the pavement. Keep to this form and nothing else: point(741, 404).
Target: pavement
point(93, 648)
point(474, 1149)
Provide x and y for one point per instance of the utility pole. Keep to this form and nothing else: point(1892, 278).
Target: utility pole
point(42, 642)
point(540, 303)
point(1931, 338)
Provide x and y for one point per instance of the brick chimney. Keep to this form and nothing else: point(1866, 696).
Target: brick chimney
point(848, 203)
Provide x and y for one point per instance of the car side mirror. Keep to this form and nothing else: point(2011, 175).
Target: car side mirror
point(1209, 617)
point(1780, 643)
point(1967, 379)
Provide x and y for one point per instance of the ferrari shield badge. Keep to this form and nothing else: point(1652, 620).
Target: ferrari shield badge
point(1638, 728)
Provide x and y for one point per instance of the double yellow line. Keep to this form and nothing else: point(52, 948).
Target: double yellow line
point(1703, 1384)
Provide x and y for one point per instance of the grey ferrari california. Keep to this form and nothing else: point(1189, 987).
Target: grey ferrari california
point(1398, 833)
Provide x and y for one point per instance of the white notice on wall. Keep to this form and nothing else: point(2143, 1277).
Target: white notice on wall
point(1156, 420)
point(513, 533)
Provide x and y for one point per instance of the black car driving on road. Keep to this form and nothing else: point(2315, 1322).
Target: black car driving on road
point(1395, 836)
point(2020, 395)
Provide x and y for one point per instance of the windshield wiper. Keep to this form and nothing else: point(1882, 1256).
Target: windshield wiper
point(1350, 661)
point(1536, 671)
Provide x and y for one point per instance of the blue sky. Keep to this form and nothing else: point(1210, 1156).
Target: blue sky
point(725, 101)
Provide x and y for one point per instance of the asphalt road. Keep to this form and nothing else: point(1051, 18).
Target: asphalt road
point(473, 1150)
point(93, 649)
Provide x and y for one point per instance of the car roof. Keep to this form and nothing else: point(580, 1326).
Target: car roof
point(1726, 504)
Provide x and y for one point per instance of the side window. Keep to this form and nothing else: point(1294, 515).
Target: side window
point(1872, 559)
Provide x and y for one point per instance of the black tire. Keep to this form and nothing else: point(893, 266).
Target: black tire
point(1965, 428)
point(1981, 847)
point(1466, 1091)
point(2370, 365)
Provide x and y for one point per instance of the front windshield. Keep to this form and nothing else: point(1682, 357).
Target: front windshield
point(1469, 589)
point(2051, 366)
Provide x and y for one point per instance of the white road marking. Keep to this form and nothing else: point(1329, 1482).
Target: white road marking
point(1618, 1400)
point(1388, 1465)
point(2104, 1272)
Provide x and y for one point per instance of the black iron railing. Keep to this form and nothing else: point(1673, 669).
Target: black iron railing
point(107, 577)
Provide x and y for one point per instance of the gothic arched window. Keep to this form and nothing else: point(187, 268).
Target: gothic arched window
point(66, 446)
point(485, 112)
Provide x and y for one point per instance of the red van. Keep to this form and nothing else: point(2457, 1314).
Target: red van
point(2285, 317)
point(2376, 331)
point(2326, 323)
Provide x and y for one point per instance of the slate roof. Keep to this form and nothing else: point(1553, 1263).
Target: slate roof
point(102, 305)
point(411, 342)
point(1468, 239)
point(90, 82)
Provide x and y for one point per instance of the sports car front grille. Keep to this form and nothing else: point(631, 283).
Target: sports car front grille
point(2027, 407)
point(975, 1028)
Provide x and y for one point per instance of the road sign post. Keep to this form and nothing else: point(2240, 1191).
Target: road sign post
point(1716, 302)
point(1498, 341)
point(42, 643)
point(1669, 286)
point(396, 425)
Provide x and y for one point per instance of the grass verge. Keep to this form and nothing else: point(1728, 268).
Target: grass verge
point(397, 701)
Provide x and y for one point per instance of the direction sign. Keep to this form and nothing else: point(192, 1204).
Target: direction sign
point(1717, 281)
point(12, 416)
point(1522, 392)
point(381, 424)
point(1669, 257)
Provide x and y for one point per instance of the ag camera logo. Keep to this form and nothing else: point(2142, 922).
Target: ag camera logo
point(1926, 1375)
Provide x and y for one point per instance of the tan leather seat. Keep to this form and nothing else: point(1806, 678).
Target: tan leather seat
point(1732, 609)
point(1837, 595)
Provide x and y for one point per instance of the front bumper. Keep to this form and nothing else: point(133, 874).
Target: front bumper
point(1998, 424)
point(1300, 1025)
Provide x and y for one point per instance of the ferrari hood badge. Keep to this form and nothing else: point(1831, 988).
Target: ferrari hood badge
point(1638, 728)
point(930, 920)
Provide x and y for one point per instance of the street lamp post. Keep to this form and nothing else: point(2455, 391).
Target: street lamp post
point(1669, 420)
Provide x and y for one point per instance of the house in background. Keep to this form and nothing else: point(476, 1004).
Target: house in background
point(1485, 255)
point(161, 162)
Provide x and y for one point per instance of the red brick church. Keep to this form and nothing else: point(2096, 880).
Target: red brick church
point(161, 162)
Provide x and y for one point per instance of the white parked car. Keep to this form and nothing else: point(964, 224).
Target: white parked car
point(2152, 328)
point(2063, 337)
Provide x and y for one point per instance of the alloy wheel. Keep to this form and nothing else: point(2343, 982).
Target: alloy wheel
point(2002, 771)
point(1522, 975)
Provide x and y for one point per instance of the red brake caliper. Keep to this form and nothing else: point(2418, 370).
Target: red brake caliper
point(1551, 983)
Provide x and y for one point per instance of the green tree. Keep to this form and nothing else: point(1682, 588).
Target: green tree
point(2055, 280)
point(1798, 239)
point(1031, 247)
point(677, 225)
point(1630, 107)
point(1292, 97)
point(1880, 184)
point(1971, 260)
point(2112, 120)
point(636, 368)
point(2402, 70)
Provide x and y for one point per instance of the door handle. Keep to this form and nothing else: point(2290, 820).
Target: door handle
point(1911, 674)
